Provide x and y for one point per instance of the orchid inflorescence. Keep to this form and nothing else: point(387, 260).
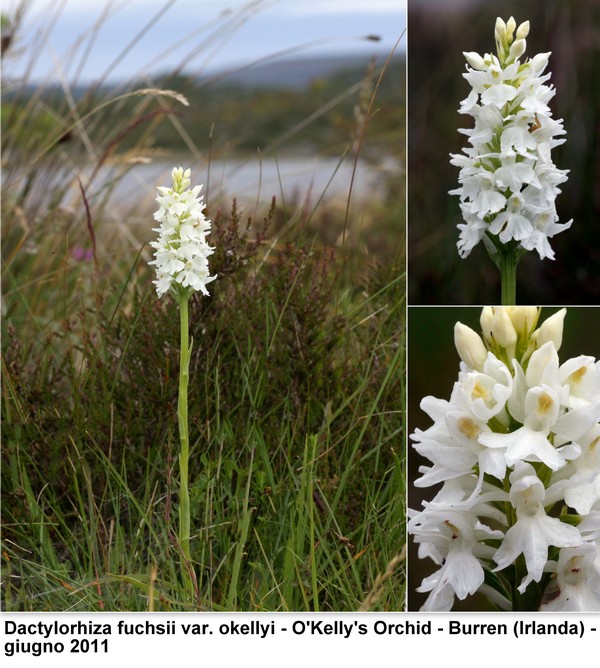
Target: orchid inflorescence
point(508, 182)
point(517, 452)
point(182, 252)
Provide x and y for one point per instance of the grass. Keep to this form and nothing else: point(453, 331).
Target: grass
point(296, 397)
point(297, 494)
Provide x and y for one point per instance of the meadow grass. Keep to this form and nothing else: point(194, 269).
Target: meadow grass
point(296, 398)
point(296, 465)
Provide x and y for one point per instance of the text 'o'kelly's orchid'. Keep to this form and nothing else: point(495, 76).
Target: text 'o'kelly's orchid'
point(517, 452)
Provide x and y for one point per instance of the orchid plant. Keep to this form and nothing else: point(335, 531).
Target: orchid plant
point(181, 261)
point(516, 450)
point(508, 182)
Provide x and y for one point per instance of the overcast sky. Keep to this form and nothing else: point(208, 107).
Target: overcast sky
point(90, 39)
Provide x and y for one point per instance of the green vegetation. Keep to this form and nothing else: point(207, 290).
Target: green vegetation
point(297, 436)
point(233, 116)
point(296, 378)
point(248, 119)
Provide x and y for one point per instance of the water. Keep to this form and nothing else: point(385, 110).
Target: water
point(254, 180)
point(294, 181)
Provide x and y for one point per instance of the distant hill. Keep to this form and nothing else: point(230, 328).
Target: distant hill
point(291, 73)
point(294, 73)
point(262, 106)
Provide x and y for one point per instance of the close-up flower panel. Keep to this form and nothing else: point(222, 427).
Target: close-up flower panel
point(514, 456)
point(518, 81)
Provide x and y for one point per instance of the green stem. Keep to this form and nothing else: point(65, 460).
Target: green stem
point(508, 274)
point(184, 454)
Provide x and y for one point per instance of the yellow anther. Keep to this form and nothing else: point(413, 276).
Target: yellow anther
point(576, 376)
point(545, 403)
point(467, 427)
point(479, 392)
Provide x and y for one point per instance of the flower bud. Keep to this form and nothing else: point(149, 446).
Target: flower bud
point(552, 330)
point(469, 346)
point(523, 30)
point(485, 320)
point(538, 62)
point(503, 332)
point(517, 49)
point(542, 361)
point(500, 28)
point(524, 319)
point(181, 179)
point(475, 60)
point(500, 36)
point(511, 25)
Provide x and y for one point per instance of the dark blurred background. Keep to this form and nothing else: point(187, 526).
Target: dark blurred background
point(438, 32)
point(433, 366)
